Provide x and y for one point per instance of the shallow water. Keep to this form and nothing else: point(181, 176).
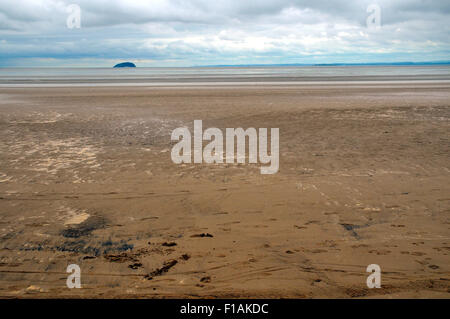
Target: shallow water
point(204, 75)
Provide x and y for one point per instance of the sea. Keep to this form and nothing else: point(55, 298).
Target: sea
point(203, 76)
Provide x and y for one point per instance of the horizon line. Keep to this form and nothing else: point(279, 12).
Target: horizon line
point(404, 63)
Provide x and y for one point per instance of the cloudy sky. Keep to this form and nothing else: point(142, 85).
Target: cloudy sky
point(211, 32)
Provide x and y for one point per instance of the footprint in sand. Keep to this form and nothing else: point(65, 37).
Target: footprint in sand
point(380, 252)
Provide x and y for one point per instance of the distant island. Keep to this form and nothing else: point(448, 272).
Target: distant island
point(125, 65)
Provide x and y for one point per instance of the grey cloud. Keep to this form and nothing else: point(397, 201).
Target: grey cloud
point(105, 13)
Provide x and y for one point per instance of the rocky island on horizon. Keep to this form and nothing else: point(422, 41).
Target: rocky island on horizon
point(125, 65)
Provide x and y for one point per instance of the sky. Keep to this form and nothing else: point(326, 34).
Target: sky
point(174, 33)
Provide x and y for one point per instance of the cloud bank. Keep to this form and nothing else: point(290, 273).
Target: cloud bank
point(204, 32)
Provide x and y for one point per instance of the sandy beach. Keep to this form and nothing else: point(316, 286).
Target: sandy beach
point(86, 178)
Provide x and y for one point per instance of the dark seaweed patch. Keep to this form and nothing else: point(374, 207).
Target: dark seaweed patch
point(165, 268)
point(202, 235)
point(170, 244)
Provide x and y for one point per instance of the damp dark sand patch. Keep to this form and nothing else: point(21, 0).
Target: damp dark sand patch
point(351, 228)
point(92, 249)
point(81, 246)
point(85, 228)
point(121, 258)
point(133, 256)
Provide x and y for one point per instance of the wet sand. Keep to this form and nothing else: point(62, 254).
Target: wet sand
point(86, 178)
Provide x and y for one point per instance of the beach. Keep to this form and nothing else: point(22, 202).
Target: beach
point(86, 178)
